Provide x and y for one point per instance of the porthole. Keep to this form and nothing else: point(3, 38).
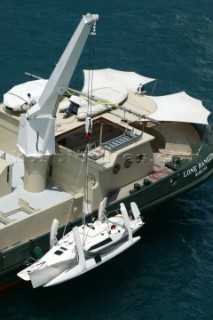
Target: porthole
point(116, 168)
point(140, 157)
point(128, 162)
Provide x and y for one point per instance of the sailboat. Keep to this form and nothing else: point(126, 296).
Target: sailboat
point(85, 247)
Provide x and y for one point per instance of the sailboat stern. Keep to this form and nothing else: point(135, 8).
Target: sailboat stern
point(40, 277)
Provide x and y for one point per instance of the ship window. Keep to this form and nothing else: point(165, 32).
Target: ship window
point(50, 170)
point(62, 248)
point(58, 252)
point(140, 157)
point(8, 174)
point(98, 259)
point(116, 168)
point(128, 162)
point(100, 244)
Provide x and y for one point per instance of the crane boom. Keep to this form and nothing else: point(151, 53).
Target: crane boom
point(36, 130)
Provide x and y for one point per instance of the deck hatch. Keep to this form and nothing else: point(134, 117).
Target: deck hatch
point(121, 141)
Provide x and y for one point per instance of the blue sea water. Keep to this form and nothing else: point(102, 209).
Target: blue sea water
point(169, 273)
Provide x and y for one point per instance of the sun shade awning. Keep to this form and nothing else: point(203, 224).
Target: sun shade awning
point(111, 85)
point(114, 86)
point(179, 107)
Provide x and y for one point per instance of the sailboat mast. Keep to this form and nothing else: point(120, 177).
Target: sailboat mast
point(88, 132)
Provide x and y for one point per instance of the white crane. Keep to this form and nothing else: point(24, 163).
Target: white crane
point(36, 137)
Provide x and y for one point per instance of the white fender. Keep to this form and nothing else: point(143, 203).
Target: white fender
point(79, 247)
point(101, 210)
point(88, 125)
point(126, 219)
point(135, 210)
point(53, 233)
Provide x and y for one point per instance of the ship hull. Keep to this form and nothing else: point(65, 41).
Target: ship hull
point(148, 197)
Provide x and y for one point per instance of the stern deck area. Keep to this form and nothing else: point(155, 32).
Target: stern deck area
point(20, 204)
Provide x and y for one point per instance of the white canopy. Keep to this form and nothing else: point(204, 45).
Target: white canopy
point(179, 107)
point(111, 85)
point(17, 95)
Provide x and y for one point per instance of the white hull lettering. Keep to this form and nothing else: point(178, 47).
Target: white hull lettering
point(189, 171)
point(200, 168)
point(201, 171)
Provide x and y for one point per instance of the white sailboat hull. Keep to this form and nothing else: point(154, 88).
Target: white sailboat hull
point(41, 277)
point(84, 248)
point(90, 264)
point(40, 274)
